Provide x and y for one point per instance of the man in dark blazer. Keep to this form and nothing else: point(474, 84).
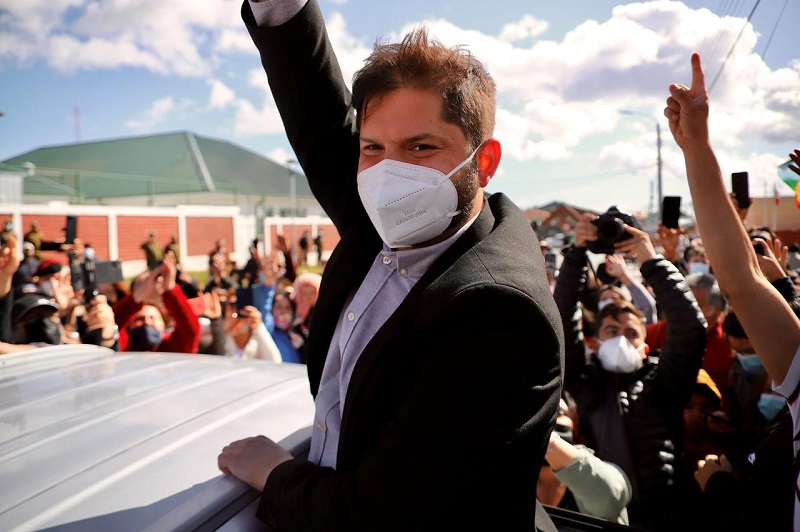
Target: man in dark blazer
point(436, 365)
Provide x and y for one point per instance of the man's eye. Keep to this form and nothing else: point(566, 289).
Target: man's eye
point(371, 148)
point(422, 147)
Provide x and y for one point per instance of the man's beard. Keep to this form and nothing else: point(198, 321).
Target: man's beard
point(466, 189)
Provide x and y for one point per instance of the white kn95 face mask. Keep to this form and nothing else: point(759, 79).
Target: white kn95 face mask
point(618, 355)
point(408, 203)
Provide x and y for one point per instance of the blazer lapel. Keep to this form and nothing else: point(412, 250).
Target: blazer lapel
point(408, 309)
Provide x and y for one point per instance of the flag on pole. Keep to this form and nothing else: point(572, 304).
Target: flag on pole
point(775, 193)
point(791, 179)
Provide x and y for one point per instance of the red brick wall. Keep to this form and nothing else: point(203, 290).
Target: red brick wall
point(94, 230)
point(330, 236)
point(132, 231)
point(202, 233)
point(91, 229)
point(789, 237)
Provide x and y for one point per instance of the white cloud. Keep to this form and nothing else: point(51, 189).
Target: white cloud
point(221, 96)
point(251, 119)
point(235, 40)
point(256, 121)
point(173, 37)
point(528, 26)
point(350, 51)
point(554, 95)
point(280, 155)
point(158, 113)
point(154, 115)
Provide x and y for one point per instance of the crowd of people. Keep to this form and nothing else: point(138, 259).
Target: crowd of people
point(678, 403)
point(262, 310)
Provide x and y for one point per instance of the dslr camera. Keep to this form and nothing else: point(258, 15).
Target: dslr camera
point(611, 229)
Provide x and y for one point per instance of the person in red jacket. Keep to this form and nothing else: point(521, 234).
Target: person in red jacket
point(141, 323)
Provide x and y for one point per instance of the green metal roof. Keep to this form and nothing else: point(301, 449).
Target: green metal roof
point(157, 164)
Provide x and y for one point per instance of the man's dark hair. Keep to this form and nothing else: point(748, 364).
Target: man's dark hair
point(418, 62)
point(615, 310)
point(761, 232)
point(732, 327)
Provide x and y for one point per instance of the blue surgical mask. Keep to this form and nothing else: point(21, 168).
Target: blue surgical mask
point(143, 338)
point(770, 404)
point(750, 363)
point(699, 267)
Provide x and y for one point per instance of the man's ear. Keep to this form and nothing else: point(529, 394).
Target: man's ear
point(488, 159)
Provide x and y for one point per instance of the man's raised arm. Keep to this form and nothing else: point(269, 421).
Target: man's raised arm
point(314, 104)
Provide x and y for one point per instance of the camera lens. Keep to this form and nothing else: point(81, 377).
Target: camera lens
point(611, 228)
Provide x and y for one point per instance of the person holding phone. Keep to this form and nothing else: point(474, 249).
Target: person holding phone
point(247, 336)
point(142, 326)
point(770, 322)
point(278, 308)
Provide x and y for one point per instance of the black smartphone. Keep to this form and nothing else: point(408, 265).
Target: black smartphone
point(671, 211)
point(71, 230)
point(550, 262)
point(87, 275)
point(740, 186)
point(244, 298)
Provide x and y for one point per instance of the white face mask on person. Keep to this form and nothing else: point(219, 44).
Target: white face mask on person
point(618, 355)
point(408, 203)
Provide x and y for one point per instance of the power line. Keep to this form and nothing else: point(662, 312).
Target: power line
point(733, 46)
point(567, 182)
point(775, 27)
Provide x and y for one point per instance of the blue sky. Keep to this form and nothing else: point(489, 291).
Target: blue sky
point(564, 71)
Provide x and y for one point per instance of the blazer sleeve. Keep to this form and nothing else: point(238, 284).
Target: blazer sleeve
point(315, 106)
point(463, 447)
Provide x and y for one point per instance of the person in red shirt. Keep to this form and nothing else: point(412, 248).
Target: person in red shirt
point(141, 324)
point(718, 357)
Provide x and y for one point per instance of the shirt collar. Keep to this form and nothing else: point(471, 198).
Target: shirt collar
point(414, 263)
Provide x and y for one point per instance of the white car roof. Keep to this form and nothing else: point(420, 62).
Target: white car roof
point(95, 440)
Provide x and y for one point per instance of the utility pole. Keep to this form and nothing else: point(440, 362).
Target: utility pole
point(658, 157)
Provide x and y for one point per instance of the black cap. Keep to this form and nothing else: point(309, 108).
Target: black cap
point(27, 302)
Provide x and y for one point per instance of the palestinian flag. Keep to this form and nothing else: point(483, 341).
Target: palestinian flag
point(791, 179)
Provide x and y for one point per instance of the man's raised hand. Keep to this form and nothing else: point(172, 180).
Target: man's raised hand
point(687, 108)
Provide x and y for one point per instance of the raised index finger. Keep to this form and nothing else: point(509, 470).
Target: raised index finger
point(698, 77)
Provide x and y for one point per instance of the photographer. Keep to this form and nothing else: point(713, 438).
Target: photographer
point(247, 336)
point(631, 405)
point(639, 296)
point(93, 323)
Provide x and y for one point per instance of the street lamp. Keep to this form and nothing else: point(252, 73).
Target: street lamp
point(293, 198)
point(658, 146)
